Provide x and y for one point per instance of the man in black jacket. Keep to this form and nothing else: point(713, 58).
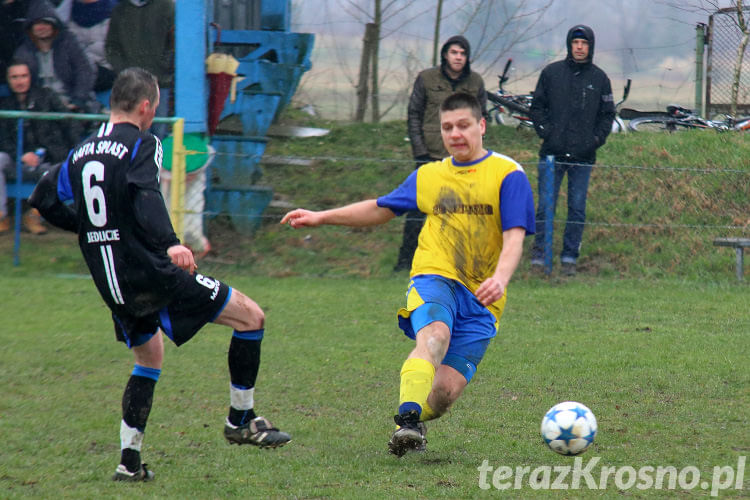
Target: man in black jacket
point(46, 142)
point(431, 88)
point(572, 111)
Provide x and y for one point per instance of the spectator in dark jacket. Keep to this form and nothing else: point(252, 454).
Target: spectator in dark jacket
point(46, 142)
point(56, 60)
point(572, 111)
point(431, 87)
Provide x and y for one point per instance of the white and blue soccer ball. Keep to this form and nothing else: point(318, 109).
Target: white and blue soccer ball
point(569, 428)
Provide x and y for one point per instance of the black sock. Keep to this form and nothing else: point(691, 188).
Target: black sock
point(131, 459)
point(244, 363)
point(240, 417)
point(244, 360)
point(136, 406)
point(136, 401)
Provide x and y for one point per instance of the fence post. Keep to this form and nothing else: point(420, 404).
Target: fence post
point(700, 41)
point(177, 186)
point(19, 201)
point(549, 210)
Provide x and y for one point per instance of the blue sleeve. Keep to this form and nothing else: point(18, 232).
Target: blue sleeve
point(517, 203)
point(402, 199)
point(64, 190)
point(47, 197)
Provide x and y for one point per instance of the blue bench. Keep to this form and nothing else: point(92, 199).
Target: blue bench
point(739, 244)
point(20, 190)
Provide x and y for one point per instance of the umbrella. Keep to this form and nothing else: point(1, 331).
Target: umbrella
point(222, 76)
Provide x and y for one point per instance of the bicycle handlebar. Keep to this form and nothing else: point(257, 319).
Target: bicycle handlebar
point(508, 103)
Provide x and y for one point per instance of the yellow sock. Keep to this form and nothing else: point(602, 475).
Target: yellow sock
point(416, 382)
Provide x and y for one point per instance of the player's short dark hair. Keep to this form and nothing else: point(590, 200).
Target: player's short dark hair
point(462, 100)
point(132, 86)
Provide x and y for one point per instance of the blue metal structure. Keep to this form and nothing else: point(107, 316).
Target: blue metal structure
point(549, 213)
point(271, 59)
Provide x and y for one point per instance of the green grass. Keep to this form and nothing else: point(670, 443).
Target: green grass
point(661, 363)
point(652, 335)
point(656, 202)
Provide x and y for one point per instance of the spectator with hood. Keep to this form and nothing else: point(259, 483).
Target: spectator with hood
point(56, 60)
point(572, 110)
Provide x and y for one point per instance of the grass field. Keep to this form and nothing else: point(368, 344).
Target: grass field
point(663, 365)
point(652, 335)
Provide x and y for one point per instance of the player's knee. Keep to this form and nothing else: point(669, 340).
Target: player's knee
point(254, 317)
point(436, 340)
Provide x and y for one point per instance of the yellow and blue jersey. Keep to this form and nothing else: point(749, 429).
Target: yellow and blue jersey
point(468, 206)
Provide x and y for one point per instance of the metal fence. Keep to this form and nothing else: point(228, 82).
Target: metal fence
point(724, 39)
point(20, 189)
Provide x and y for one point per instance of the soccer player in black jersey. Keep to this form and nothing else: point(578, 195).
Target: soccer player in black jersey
point(143, 273)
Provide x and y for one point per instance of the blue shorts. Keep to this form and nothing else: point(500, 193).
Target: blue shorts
point(431, 298)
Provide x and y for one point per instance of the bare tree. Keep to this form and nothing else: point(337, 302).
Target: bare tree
point(382, 12)
point(436, 40)
point(375, 101)
point(497, 26)
point(742, 23)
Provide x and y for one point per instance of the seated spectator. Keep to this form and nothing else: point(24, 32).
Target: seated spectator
point(46, 142)
point(56, 60)
point(141, 33)
point(89, 22)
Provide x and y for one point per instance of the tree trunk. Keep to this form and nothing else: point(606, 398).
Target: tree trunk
point(737, 74)
point(436, 36)
point(375, 97)
point(364, 73)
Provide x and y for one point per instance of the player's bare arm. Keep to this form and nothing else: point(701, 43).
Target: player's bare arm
point(493, 288)
point(362, 213)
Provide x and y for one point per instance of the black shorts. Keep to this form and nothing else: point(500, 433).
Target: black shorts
point(200, 301)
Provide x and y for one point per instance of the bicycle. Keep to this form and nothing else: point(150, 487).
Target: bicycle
point(505, 104)
point(676, 118)
point(618, 125)
point(519, 105)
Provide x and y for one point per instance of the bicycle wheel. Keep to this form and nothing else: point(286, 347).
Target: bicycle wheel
point(657, 124)
point(497, 116)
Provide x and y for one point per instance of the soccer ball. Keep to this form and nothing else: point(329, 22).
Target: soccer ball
point(569, 428)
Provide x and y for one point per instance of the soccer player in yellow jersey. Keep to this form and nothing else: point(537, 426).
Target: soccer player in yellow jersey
point(479, 207)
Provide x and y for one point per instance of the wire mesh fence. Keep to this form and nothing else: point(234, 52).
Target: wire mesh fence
point(724, 41)
point(641, 220)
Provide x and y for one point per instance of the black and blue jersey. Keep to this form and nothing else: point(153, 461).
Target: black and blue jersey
point(107, 191)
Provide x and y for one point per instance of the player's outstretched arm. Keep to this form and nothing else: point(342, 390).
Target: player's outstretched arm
point(493, 288)
point(363, 213)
